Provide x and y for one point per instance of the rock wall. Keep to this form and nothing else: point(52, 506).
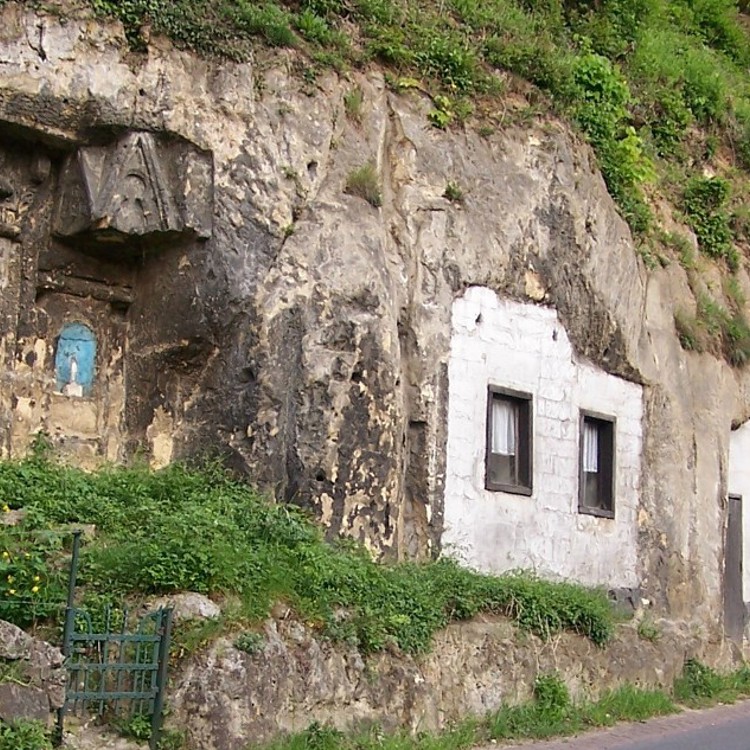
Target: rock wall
point(226, 697)
point(32, 678)
point(297, 328)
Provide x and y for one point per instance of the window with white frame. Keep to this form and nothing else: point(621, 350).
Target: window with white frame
point(596, 493)
point(509, 441)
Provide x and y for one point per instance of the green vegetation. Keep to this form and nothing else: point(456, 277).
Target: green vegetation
point(365, 183)
point(705, 205)
point(701, 686)
point(249, 642)
point(453, 192)
point(353, 102)
point(715, 328)
point(30, 587)
point(550, 713)
point(648, 630)
point(182, 529)
point(24, 735)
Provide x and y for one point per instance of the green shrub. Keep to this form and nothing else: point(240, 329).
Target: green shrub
point(453, 192)
point(688, 331)
point(313, 27)
point(551, 694)
point(448, 59)
point(704, 202)
point(600, 96)
point(697, 681)
point(353, 102)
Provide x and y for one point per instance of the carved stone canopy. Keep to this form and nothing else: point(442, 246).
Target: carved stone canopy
point(136, 192)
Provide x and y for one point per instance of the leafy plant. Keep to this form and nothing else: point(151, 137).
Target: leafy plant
point(250, 642)
point(648, 630)
point(31, 579)
point(24, 735)
point(453, 192)
point(688, 331)
point(704, 202)
point(365, 183)
point(551, 694)
point(137, 726)
point(172, 739)
point(696, 682)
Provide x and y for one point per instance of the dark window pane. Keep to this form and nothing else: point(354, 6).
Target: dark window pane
point(502, 469)
point(597, 465)
point(509, 441)
point(591, 498)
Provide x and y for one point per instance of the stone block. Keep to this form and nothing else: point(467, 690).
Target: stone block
point(23, 702)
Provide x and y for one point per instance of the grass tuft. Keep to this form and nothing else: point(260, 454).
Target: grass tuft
point(365, 183)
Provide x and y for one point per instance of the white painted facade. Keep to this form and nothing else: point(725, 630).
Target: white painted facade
point(739, 484)
point(525, 347)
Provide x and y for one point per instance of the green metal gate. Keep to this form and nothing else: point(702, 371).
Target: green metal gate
point(114, 670)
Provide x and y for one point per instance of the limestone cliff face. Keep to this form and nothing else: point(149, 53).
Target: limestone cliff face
point(241, 299)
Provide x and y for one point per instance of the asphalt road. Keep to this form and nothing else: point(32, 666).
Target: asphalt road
point(722, 728)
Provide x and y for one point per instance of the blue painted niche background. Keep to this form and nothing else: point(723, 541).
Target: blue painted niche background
point(77, 341)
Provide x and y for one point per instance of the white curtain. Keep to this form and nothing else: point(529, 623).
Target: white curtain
point(590, 447)
point(504, 427)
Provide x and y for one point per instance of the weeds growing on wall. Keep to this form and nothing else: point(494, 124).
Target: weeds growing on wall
point(199, 530)
point(699, 685)
point(365, 183)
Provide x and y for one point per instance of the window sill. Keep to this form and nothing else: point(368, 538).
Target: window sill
point(598, 512)
point(511, 489)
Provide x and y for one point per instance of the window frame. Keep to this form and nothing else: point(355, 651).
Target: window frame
point(607, 454)
point(525, 446)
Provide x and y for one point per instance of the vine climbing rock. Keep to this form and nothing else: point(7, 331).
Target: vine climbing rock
point(40, 685)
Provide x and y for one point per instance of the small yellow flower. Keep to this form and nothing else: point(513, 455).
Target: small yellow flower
point(11, 591)
point(11, 579)
point(34, 589)
point(6, 554)
point(37, 579)
point(6, 508)
point(27, 555)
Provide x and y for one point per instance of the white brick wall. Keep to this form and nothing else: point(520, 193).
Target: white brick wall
point(739, 484)
point(525, 347)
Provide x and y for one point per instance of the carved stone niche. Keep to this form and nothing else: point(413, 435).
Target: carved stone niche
point(139, 192)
